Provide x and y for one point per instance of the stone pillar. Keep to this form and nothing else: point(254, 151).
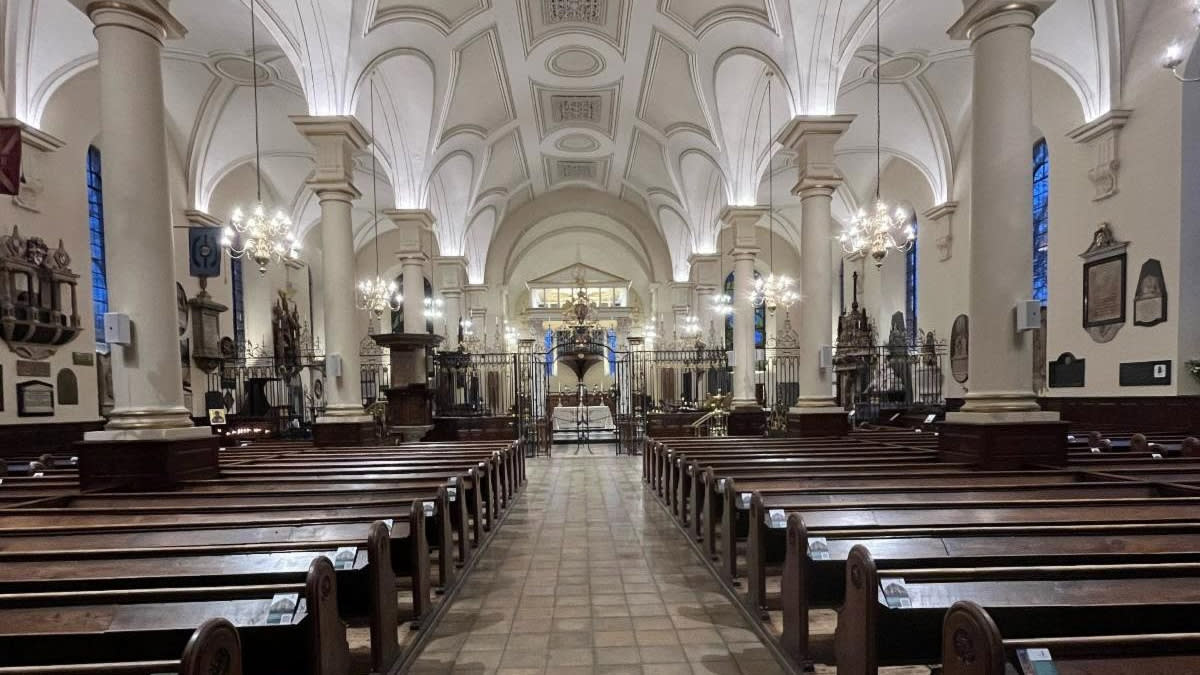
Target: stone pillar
point(149, 441)
point(706, 272)
point(747, 418)
point(1001, 423)
point(335, 141)
point(450, 279)
point(416, 242)
point(813, 139)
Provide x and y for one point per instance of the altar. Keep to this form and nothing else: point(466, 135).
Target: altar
point(570, 419)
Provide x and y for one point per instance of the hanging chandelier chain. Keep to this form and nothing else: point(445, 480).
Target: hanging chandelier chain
point(878, 100)
point(770, 177)
point(374, 180)
point(254, 87)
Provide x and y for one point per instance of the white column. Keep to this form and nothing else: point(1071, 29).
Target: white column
point(335, 140)
point(1001, 260)
point(412, 266)
point(743, 220)
point(147, 376)
point(453, 313)
point(813, 139)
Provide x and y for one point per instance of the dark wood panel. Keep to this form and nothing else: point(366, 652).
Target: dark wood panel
point(23, 440)
point(1139, 413)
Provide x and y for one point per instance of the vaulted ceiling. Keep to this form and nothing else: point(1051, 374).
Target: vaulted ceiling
point(482, 106)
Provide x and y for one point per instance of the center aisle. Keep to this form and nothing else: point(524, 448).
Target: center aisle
point(588, 574)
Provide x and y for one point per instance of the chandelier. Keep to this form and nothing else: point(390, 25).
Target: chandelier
point(256, 235)
point(878, 230)
point(1173, 56)
point(776, 290)
point(690, 326)
point(377, 295)
point(433, 308)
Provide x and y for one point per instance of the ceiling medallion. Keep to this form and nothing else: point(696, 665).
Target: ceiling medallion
point(577, 143)
point(574, 61)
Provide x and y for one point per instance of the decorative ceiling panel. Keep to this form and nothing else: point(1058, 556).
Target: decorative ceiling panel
point(445, 15)
point(506, 168)
point(481, 102)
point(605, 19)
point(669, 99)
point(647, 170)
point(570, 108)
point(699, 16)
point(561, 170)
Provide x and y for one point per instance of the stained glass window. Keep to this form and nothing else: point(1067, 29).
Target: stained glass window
point(549, 352)
point(910, 287)
point(760, 319)
point(239, 306)
point(1041, 219)
point(612, 351)
point(95, 191)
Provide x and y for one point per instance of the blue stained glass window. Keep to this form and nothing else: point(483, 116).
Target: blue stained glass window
point(612, 351)
point(760, 318)
point(549, 352)
point(1041, 219)
point(910, 287)
point(239, 306)
point(95, 192)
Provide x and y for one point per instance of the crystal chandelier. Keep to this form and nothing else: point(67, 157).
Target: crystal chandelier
point(256, 235)
point(776, 290)
point(690, 326)
point(433, 308)
point(722, 304)
point(377, 295)
point(878, 230)
point(1173, 56)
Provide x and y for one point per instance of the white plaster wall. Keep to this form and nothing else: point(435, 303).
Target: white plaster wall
point(71, 116)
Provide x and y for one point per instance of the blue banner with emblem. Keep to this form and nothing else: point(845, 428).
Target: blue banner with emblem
point(204, 252)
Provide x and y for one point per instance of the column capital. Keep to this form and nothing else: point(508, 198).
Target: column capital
point(336, 139)
point(748, 253)
point(416, 230)
point(704, 268)
point(146, 16)
point(981, 17)
point(450, 273)
point(812, 138)
point(743, 220)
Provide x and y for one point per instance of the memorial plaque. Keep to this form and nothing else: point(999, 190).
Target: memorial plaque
point(1067, 371)
point(83, 359)
point(1145, 374)
point(1150, 296)
point(33, 369)
point(1104, 285)
point(960, 345)
point(35, 399)
point(68, 387)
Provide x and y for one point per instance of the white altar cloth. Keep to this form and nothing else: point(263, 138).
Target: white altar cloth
point(572, 418)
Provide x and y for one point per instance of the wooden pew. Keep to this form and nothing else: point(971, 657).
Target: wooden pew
point(973, 645)
point(367, 579)
point(213, 649)
point(896, 617)
point(155, 624)
point(815, 566)
point(767, 521)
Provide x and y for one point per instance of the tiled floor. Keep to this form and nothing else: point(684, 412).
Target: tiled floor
point(588, 575)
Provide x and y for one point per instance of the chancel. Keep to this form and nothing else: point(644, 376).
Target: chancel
point(359, 337)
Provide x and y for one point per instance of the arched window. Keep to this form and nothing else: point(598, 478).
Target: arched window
point(760, 318)
point(239, 306)
point(1041, 218)
point(910, 286)
point(95, 191)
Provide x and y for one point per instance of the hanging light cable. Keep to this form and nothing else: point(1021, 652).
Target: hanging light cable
point(376, 295)
point(256, 235)
point(878, 229)
point(777, 289)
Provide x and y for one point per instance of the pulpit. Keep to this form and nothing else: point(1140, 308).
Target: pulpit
point(409, 399)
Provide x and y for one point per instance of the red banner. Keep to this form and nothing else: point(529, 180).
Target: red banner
point(10, 160)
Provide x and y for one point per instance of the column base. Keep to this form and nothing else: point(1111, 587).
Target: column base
point(350, 430)
point(147, 459)
point(810, 422)
point(747, 421)
point(997, 441)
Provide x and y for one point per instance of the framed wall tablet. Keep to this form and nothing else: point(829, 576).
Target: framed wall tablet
point(35, 399)
point(1104, 285)
point(1150, 295)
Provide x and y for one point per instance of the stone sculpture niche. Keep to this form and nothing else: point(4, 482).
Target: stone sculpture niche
point(39, 310)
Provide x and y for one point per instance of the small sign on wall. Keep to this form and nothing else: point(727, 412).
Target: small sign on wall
point(1145, 374)
point(33, 369)
point(1067, 371)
